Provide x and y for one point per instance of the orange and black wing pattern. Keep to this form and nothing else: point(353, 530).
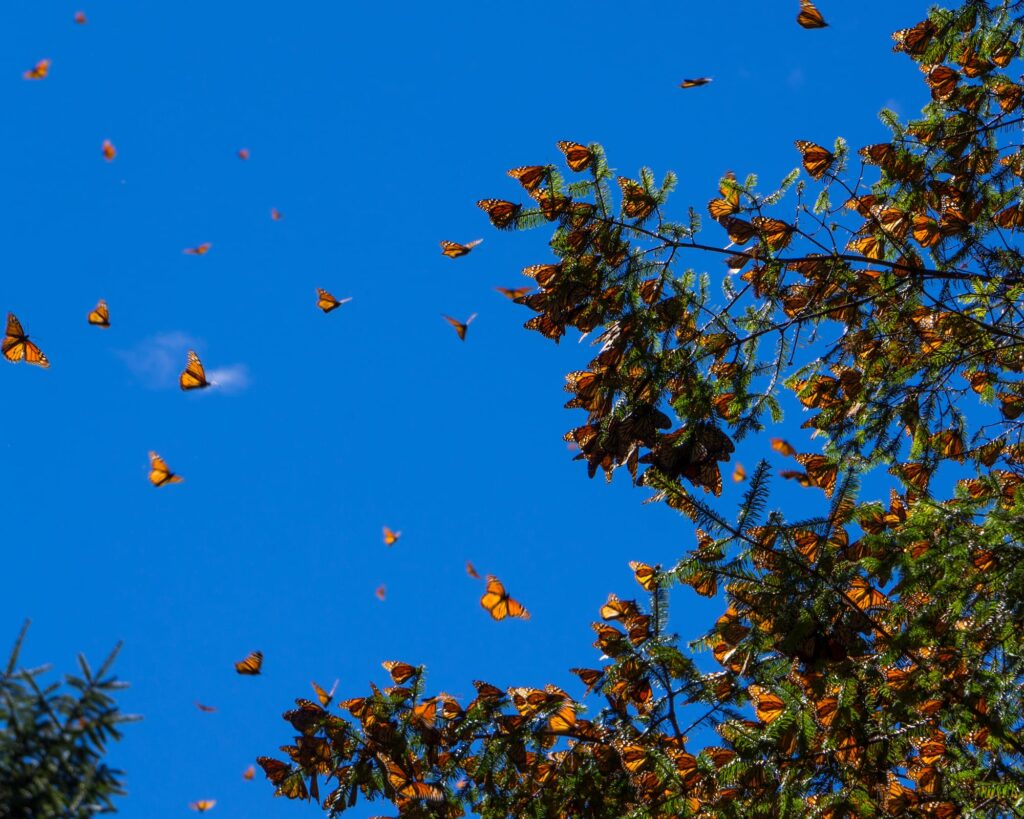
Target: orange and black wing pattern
point(695, 82)
point(38, 71)
point(251, 665)
point(453, 249)
point(16, 346)
point(193, 377)
point(817, 160)
point(160, 473)
point(326, 302)
point(498, 604)
point(101, 315)
point(460, 326)
point(577, 157)
point(501, 212)
point(809, 16)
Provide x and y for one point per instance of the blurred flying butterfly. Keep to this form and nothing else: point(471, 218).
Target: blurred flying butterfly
point(809, 16)
point(325, 697)
point(739, 473)
point(109, 151)
point(251, 665)
point(817, 160)
point(16, 346)
point(453, 249)
point(326, 302)
point(80, 18)
point(513, 293)
point(38, 71)
point(101, 315)
point(498, 604)
point(243, 153)
point(249, 773)
point(695, 82)
point(206, 709)
point(530, 176)
point(390, 538)
point(160, 473)
point(577, 157)
point(471, 571)
point(501, 212)
point(783, 447)
point(460, 326)
point(203, 805)
point(193, 377)
point(198, 250)
point(381, 592)
point(276, 215)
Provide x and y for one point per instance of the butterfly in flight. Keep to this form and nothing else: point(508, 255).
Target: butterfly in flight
point(193, 377)
point(460, 326)
point(160, 473)
point(16, 346)
point(243, 153)
point(198, 250)
point(251, 665)
point(109, 151)
point(327, 302)
point(694, 83)
point(498, 604)
point(249, 773)
point(101, 315)
point(809, 16)
point(276, 215)
point(206, 709)
point(381, 592)
point(80, 18)
point(471, 571)
point(390, 538)
point(513, 292)
point(38, 71)
point(325, 697)
point(203, 805)
point(453, 249)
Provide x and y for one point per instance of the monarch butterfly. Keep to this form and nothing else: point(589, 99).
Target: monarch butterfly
point(80, 18)
point(251, 665)
point(193, 377)
point(577, 157)
point(646, 576)
point(739, 474)
point(943, 81)
point(551, 205)
point(453, 249)
point(460, 326)
point(326, 302)
point(589, 676)
point(280, 775)
point(926, 231)
point(530, 176)
point(203, 805)
point(615, 609)
point(820, 472)
point(767, 706)
point(38, 71)
point(817, 160)
point(864, 596)
point(243, 153)
point(498, 604)
point(637, 203)
point(695, 82)
point(109, 151)
point(809, 16)
point(513, 293)
point(249, 773)
point(206, 709)
point(400, 672)
point(783, 447)
point(198, 250)
point(16, 346)
point(101, 315)
point(325, 697)
point(501, 212)
point(563, 719)
point(390, 538)
point(471, 571)
point(425, 714)
point(633, 757)
point(160, 473)
point(914, 40)
point(276, 215)
point(381, 592)
point(776, 233)
point(408, 788)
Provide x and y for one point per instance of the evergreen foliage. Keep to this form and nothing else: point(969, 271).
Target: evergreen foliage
point(52, 740)
point(870, 656)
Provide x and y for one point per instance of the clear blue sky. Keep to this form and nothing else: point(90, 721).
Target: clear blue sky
point(373, 128)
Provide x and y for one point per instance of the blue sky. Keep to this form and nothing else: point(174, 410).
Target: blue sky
point(373, 128)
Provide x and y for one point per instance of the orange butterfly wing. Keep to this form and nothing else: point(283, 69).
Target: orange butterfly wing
point(453, 249)
point(251, 665)
point(160, 473)
point(577, 157)
point(390, 538)
point(327, 302)
point(203, 805)
point(109, 151)
point(198, 250)
point(694, 83)
point(498, 604)
point(809, 16)
point(193, 377)
point(101, 315)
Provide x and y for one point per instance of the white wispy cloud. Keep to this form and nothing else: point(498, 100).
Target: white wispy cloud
point(158, 360)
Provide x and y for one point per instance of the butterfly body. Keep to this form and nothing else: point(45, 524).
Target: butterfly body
point(101, 315)
point(160, 473)
point(16, 346)
point(327, 302)
point(498, 604)
point(809, 16)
